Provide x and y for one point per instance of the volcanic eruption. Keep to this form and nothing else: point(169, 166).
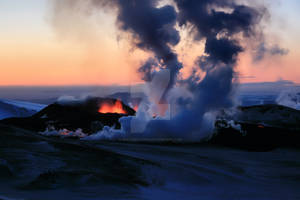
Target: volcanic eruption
point(112, 107)
point(155, 27)
point(89, 115)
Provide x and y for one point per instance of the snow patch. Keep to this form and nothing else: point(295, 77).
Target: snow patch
point(290, 98)
point(13, 108)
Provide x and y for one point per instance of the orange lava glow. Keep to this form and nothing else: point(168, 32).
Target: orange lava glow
point(117, 107)
point(261, 126)
point(136, 107)
point(64, 132)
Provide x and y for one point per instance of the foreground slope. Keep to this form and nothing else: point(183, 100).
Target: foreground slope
point(37, 167)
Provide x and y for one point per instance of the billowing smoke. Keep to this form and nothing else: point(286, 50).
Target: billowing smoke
point(264, 50)
point(148, 69)
point(154, 28)
point(221, 24)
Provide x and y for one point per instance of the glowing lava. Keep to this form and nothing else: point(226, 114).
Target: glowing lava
point(136, 107)
point(117, 107)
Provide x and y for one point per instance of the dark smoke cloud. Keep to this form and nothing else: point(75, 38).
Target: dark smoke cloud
point(263, 50)
point(147, 70)
point(221, 24)
point(224, 50)
point(208, 21)
point(155, 29)
point(153, 26)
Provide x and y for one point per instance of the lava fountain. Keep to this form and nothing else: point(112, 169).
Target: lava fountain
point(116, 107)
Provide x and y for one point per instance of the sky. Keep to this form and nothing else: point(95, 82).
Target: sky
point(34, 51)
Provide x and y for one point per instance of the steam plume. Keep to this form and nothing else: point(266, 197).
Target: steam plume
point(221, 24)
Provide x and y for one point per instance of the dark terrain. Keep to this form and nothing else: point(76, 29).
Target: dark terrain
point(253, 154)
point(72, 116)
point(36, 167)
point(260, 128)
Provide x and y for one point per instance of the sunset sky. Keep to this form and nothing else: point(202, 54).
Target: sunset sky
point(92, 51)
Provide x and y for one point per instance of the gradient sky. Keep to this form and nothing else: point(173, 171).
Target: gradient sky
point(87, 51)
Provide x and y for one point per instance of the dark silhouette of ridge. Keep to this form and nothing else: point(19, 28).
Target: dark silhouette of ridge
point(72, 116)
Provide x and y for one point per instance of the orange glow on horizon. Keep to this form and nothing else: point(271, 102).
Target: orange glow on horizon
point(39, 50)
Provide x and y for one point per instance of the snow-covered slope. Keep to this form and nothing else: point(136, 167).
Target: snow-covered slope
point(290, 98)
point(13, 108)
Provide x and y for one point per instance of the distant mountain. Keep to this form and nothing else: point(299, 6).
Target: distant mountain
point(12, 108)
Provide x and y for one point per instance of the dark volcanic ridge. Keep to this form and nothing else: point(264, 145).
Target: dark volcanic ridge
point(255, 128)
point(259, 128)
point(74, 115)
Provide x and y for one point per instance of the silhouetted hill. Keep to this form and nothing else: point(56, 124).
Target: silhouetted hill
point(259, 128)
point(72, 116)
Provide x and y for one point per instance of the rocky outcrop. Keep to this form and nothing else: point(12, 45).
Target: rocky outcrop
point(262, 127)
